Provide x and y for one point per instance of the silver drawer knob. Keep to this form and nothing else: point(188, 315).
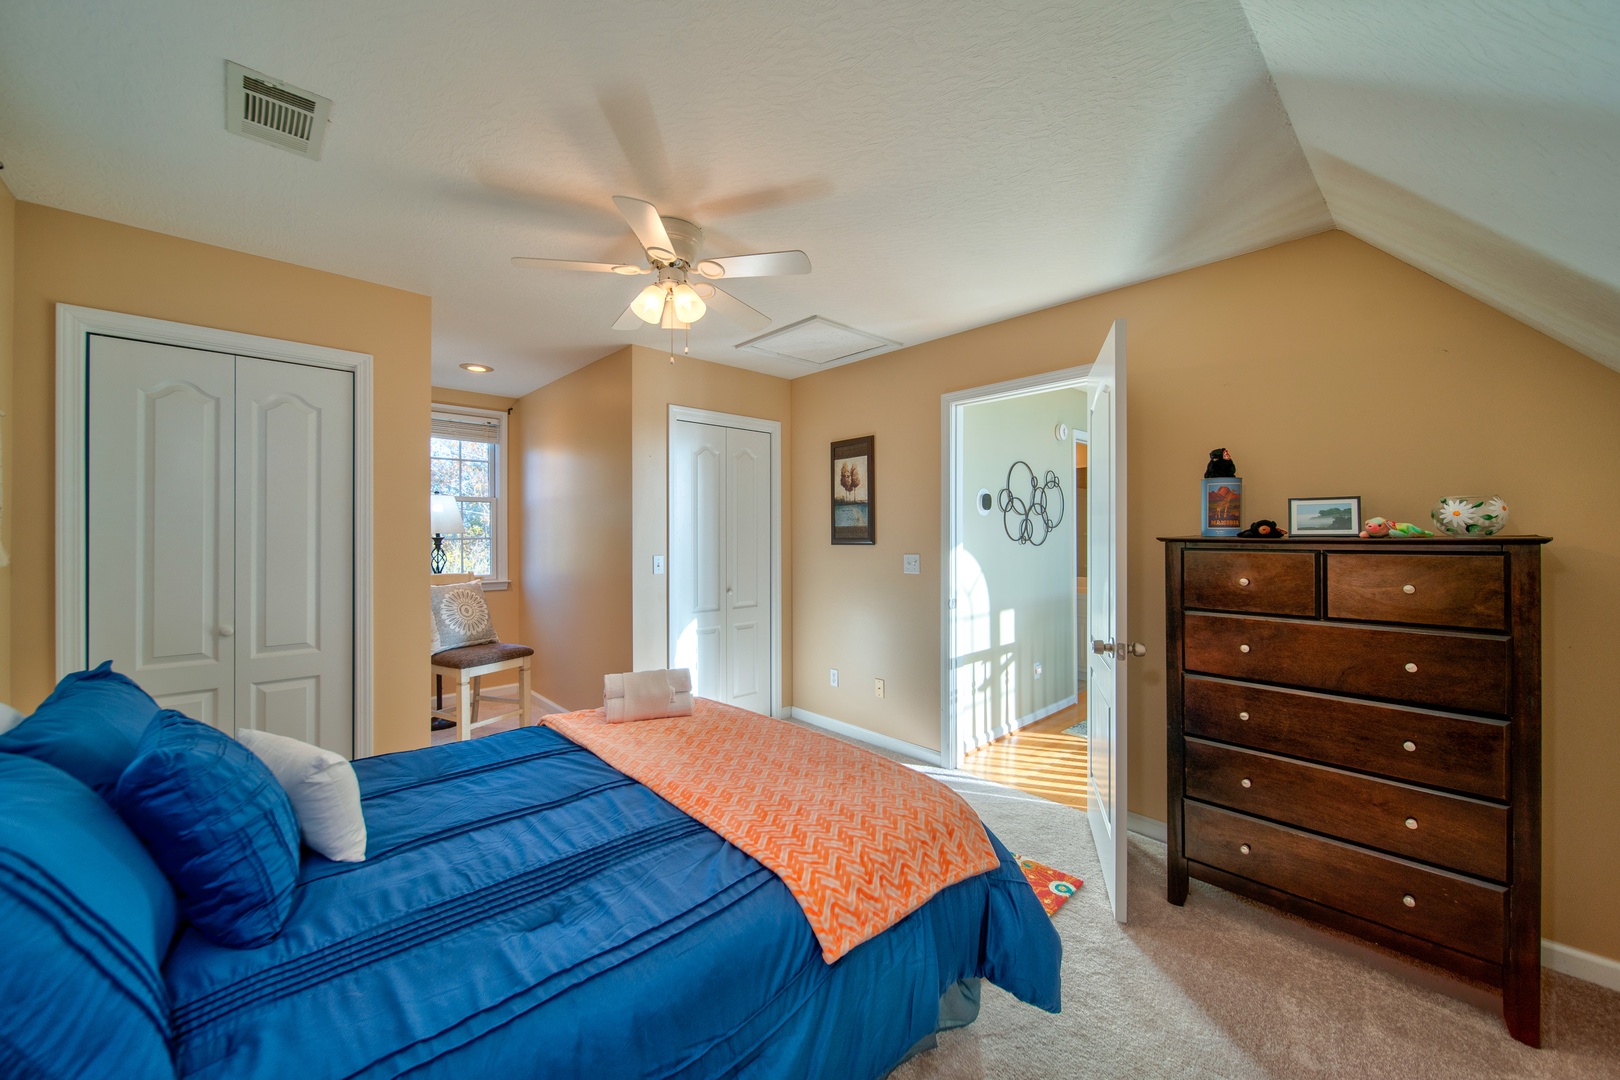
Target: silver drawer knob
point(1411, 823)
point(1244, 582)
point(1243, 716)
point(1408, 900)
point(1411, 667)
point(1409, 746)
point(1245, 648)
point(1246, 782)
point(1243, 848)
point(1408, 589)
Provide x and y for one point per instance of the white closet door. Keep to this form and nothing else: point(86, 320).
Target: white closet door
point(161, 526)
point(295, 552)
point(748, 569)
point(720, 561)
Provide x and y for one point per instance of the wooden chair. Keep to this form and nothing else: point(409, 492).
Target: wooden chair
point(469, 664)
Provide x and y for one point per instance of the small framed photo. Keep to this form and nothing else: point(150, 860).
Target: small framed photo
point(854, 491)
point(1327, 516)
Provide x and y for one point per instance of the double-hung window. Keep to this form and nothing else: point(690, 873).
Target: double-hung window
point(468, 452)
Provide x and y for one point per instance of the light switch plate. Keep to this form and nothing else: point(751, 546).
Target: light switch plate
point(1037, 669)
point(913, 564)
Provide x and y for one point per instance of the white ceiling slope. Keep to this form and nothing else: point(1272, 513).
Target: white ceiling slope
point(944, 165)
point(1478, 140)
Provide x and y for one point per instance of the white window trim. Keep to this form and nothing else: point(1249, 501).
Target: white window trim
point(503, 512)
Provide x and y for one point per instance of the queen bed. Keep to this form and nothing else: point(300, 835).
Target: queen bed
point(524, 909)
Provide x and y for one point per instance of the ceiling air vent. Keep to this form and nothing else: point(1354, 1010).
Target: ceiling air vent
point(816, 341)
point(270, 111)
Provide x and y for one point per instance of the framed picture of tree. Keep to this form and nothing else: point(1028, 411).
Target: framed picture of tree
point(854, 491)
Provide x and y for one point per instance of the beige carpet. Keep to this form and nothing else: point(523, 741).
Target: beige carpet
point(1226, 988)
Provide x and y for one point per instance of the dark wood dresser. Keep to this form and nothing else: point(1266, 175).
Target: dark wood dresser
point(1355, 737)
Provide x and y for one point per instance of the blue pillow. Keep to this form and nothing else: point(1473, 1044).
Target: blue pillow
point(88, 727)
point(85, 920)
point(218, 824)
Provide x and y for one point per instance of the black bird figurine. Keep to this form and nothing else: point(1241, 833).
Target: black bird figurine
point(1220, 463)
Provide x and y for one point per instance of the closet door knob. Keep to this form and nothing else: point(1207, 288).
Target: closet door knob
point(1408, 589)
point(226, 631)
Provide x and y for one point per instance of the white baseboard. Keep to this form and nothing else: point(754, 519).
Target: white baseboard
point(1581, 964)
point(1152, 828)
point(1022, 722)
point(870, 738)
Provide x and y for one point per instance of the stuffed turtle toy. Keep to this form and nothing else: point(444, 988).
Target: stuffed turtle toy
point(1264, 529)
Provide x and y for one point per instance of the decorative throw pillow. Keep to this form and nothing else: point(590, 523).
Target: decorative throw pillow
point(218, 824)
point(85, 921)
point(460, 616)
point(9, 718)
point(324, 791)
point(89, 727)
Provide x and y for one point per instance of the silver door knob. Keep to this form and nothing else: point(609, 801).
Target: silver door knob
point(226, 631)
point(1101, 648)
point(1135, 648)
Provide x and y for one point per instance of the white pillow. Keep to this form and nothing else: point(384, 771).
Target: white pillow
point(324, 791)
point(9, 718)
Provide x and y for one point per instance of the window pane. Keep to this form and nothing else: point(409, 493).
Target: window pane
point(476, 517)
point(475, 451)
point(474, 478)
point(445, 448)
point(446, 477)
point(476, 556)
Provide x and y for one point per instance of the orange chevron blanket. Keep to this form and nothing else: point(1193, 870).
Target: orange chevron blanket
point(861, 841)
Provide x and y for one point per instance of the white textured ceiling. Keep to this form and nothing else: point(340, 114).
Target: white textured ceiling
point(944, 165)
point(1478, 140)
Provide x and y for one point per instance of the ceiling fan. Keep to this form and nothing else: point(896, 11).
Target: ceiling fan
point(673, 248)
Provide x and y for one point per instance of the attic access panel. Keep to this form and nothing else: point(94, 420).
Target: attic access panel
point(816, 341)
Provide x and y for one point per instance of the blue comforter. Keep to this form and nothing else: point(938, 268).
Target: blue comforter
point(525, 910)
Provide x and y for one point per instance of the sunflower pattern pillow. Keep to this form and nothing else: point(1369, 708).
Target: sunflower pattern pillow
point(460, 616)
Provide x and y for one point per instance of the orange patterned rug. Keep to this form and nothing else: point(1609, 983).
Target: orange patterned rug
point(1052, 887)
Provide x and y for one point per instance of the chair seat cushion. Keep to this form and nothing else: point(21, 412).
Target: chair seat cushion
point(478, 655)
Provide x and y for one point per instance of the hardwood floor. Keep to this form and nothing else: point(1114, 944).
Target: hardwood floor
point(1039, 759)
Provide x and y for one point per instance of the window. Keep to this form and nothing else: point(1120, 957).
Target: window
point(466, 452)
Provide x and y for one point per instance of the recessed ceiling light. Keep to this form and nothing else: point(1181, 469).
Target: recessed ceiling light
point(481, 369)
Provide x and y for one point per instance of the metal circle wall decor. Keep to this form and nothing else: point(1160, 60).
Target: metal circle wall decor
point(1034, 517)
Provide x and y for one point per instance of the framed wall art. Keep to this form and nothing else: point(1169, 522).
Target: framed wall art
point(1327, 516)
point(854, 491)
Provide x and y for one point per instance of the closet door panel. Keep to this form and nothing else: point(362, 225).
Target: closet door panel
point(161, 444)
point(295, 561)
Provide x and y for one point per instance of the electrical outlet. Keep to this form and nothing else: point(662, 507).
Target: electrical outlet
point(879, 687)
point(658, 564)
point(1037, 669)
point(833, 676)
point(912, 564)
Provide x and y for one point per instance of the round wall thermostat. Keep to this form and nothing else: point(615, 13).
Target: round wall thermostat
point(1062, 432)
point(985, 501)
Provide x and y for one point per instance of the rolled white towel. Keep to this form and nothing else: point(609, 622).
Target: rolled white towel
point(647, 695)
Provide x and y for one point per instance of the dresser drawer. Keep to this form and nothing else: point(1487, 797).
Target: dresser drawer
point(1431, 904)
point(1434, 590)
point(1447, 830)
point(1429, 748)
point(1458, 671)
point(1272, 582)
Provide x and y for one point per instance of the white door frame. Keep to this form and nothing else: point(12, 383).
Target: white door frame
point(74, 325)
point(951, 408)
point(773, 428)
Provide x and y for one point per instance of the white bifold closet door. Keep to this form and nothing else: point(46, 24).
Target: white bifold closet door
point(221, 536)
point(720, 561)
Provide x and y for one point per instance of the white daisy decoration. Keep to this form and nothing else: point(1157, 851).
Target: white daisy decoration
point(1455, 515)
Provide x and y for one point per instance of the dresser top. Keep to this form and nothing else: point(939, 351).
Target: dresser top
point(1391, 541)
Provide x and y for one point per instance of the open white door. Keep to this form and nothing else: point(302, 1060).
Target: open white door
point(1105, 567)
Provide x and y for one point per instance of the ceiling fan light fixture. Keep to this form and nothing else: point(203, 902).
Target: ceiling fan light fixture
point(649, 303)
point(629, 271)
point(710, 268)
point(672, 321)
point(689, 306)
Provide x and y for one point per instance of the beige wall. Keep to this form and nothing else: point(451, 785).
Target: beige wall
point(8, 321)
point(1325, 366)
point(576, 468)
point(656, 385)
point(69, 258)
point(505, 605)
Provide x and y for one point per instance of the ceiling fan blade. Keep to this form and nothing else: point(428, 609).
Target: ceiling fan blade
point(627, 269)
point(628, 321)
point(766, 264)
point(645, 223)
point(729, 307)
